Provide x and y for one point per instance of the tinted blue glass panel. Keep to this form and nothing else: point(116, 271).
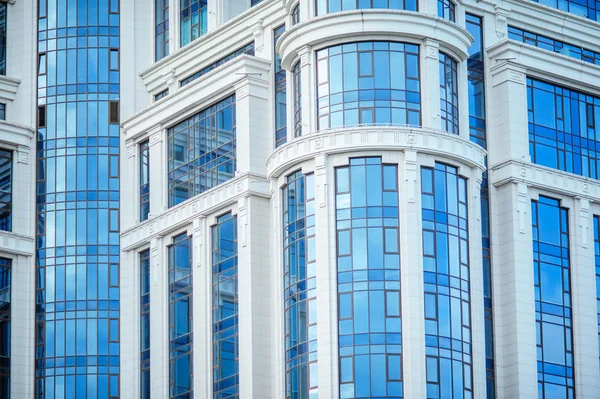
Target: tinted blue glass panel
point(2, 112)
point(280, 92)
point(180, 318)
point(446, 10)
point(225, 339)
point(161, 95)
point(5, 190)
point(77, 238)
point(161, 29)
point(564, 128)
point(447, 284)
point(557, 46)
point(368, 265)
point(5, 335)
point(329, 6)
point(193, 17)
point(552, 276)
point(247, 49)
point(202, 151)
point(145, 324)
point(586, 9)
point(475, 65)
point(448, 93)
point(3, 18)
point(368, 83)
point(597, 264)
point(296, 71)
point(299, 287)
point(144, 180)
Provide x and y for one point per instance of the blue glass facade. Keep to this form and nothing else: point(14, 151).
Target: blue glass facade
point(6, 165)
point(564, 128)
point(193, 17)
point(475, 68)
point(180, 318)
point(328, 6)
point(5, 335)
point(202, 151)
point(144, 180)
point(446, 9)
point(225, 331)
point(77, 238)
point(368, 265)
point(551, 270)
point(161, 29)
point(299, 287)
point(145, 324)
point(3, 18)
point(368, 83)
point(584, 8)
point(447, 283)
point(448, 93)
point(280, 92)
point(597, 264)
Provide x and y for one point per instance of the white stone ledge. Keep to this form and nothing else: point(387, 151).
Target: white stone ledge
point(373, 24)
point(391, 138)
point(183, 214)
point(8, 88)
point(544, 178)
point(16, 244)
point(15, 134)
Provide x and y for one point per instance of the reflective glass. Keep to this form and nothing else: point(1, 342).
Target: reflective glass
point(161, 29)
point(448, 93)
point(557, 46)
point(225, 340)
point(597, 264)
point(254, 2)
point(446, 9)
point(296, 14)
point(145, 324)
point(299, 287)
point(475, 67)
point(161, 95)
point(368, 271)
point(5, 333)
point(447, 283)
point(180, 318)
point(328, 6)
point(368, 83)
point(564, 128)
point(552, 278)
point(247, 49)
point(587, 9)
point(5, 190)
point(2, 112)
point(3, 18)
point(144, 180)
point(77, 199)
point(193, 17)
point(202, 151)
point(280, 92)
point(296, 71)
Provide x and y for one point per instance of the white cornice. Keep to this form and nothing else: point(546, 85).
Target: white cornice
point(15, 134)
point(8, 87)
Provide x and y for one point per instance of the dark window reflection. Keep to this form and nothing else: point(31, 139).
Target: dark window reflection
point(3, 19)
point(368, 265)
point(299, 285)
point(145, 324)
point(161, 29)
point(2, 112)
point(6, 190)
point(447, 283)
point(296, 14)
point(329, 6)
point(225, 308)
point(5, 333)
point(448, 94)
point(280, 92)
point(144, 180)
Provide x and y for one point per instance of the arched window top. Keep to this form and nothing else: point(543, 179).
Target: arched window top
point(296, 14)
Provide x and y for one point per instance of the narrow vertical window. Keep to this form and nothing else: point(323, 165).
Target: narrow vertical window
point(5, 190)
point(368, 270)
point(597, 264)
point(145, 324)
point(5, 336)
point(475, 66)
point(299, 287)
point(3, 19)
point(144, 180)
point(448, 94)
point(297, 100)
point(296, 14)
point(446, 9)
point(225, 308)
point(446, 277)
point(280, 93)
point(552, 279)
point(194, 20)
point(2, 112)
point(161, 29)
point(180, 318)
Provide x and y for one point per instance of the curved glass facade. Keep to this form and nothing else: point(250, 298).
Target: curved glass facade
point(77, 243)
point(299, 287)
point(328, 6)
point(448, 94)
point(368, 83)
point(447, 283)
point(368, 266)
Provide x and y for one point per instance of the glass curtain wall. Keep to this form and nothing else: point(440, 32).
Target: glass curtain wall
point(161, 29)
point(145, 324)
point(299, 287)
point(3, 19)
point(587, 9)
point(193, 16)
point(328, 6)
point(553, 315)
point(77, 239)
point(6, 165)
point(225, 339)
point(597, 264)
point(5, 333)
point(368, 266)
point(447, 283)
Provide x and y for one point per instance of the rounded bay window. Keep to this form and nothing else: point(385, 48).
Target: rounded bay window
point(329, 6)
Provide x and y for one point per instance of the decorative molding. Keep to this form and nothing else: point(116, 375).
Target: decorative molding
point(321, 180)
point(501, 21)
point(522, 206)
point(23, 154)
point(198, 227)
point(584, 220)
point(242, 216)
point(155, 250)
point(410, 173)
point(16, 244)
point(241, 93)
point(259, 36)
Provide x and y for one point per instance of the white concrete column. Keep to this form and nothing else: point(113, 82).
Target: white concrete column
point(427, 6)
point(159, 318)
point(129, 183)
point(278, 321)
point(23, 190)
point(130, 324)
point(307, 10)
point(411, 271)
point(174, 27)
point(463, 99)
point(307, 82)
point(430, 84)
point(255, 299)
point(159, 195)
point(583, 290)
point(215, 14)
point(513, 292)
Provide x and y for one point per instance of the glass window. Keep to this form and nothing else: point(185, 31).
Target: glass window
point(2, 112)
point(475, 67)
point(202, 151)
point(254, 2)
point(597, 264)
point(5, 190)
point(225, 338)
point(193, 20)
point(329, 6)
point(448, 93)
point(446, 10)
point(299, 286)
point(552, 279)
point(447, 282)
point(180, 318)
point(161, 29)
point(5, 335)
point(144, 180)
point(368, 83)
point(247, 49)
point(145, 324)
point(162, 94)
point(3, 19)
point(280, 93)
point(297, 71)
point(368, 269)
point(296, 14)
point(589, 9)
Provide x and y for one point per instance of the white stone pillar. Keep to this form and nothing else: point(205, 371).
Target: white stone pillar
point(174, 34)
point(430, 84)
point(308, 84)
point(463, 99)
point(427, 6)
point(129, 179)
point(130, 325)
point(159, 200)
point(159, 318)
